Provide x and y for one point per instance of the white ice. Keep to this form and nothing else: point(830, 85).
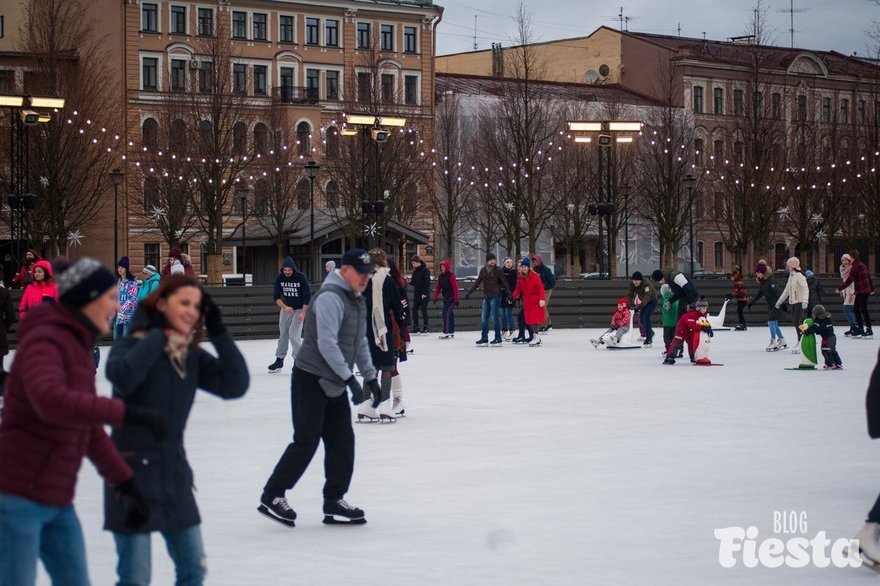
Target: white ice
point(554, 465)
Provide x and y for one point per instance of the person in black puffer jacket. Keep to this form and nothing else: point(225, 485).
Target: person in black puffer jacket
point(507, 303)
point(421, 282)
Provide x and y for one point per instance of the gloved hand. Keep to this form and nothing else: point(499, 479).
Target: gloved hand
point(542, 303)
point(146, 418)
point(156, 320)
point(375, 389)
point(137, 511)
point(708, 330)
point(749, 306)
point(728, 297)
point(358, 395)
point(777, 306)
point(784, 307)
point(213, 319)
point(804, 305)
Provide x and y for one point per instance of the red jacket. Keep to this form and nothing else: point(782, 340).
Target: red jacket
point(52, 416)
point(531, 289)
point(861, 277)
point(739, 287)
point(620, 318)
point(35, 292)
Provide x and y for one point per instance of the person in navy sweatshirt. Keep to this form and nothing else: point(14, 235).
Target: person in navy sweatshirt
point(291, 295)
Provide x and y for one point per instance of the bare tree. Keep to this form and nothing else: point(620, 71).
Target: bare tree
point(71, 156)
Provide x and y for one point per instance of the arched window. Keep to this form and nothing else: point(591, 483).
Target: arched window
point(332, 148)
point(206, 135)
point(178, 137)
point(332, 194)
point(261, 138)
point(239, 139)
point(150, 134)
point(151, 194)
point(302, 194)
point(261, 197)
point(302, 136)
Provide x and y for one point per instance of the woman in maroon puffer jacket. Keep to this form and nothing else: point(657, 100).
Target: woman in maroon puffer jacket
point(52, 419)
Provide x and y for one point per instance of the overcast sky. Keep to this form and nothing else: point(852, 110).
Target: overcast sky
point(838, 25)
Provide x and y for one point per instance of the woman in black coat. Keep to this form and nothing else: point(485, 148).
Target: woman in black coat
point(508, 269)
point(159, 365)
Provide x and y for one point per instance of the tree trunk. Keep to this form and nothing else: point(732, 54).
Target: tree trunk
point(215, 269)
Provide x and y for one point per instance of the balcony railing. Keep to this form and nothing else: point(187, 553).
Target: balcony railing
point(288, 94)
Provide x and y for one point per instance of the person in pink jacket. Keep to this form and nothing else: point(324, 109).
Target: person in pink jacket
point(530, 288)
point(42, 286)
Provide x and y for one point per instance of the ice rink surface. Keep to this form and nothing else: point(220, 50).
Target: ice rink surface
point(554, 465)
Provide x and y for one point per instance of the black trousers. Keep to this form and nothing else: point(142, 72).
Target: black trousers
point(740, 305)
point(316, 417)
point(668, 336)
point(829, 351)
point(419, 305)
point(861, 309)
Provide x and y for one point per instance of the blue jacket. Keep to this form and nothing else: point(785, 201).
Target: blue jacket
point(293, 290)
point(149, 285)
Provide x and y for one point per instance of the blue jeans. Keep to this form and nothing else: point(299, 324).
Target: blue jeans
point(850, 314)
point(448, 316)
point(185, 548)
point(507, 318)
point(493, 305)
point(31, 531)
point(775, 330)
point(120, 330)
point(645, 320)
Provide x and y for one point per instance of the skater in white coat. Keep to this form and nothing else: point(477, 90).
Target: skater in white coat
point(797, 293)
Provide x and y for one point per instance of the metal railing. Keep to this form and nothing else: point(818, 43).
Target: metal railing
point(288, 94)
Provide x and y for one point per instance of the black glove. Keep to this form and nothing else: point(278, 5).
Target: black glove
point(213, 320)
point(358, 395)
point(708, 330)
point(156, 320)
point(375, 390)
point(749, 306)
point(784, 307)
point(137, 511)
point(728, 297)
point(146, 418)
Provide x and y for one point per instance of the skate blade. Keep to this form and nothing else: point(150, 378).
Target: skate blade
point(331, 520)
point(384, 418)
point(366, 419)
point(263, 510)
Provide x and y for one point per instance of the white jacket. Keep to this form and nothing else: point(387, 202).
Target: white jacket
point(796, 290)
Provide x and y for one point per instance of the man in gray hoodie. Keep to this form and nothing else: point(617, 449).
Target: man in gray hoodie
point(334, 340)
point(291, 294)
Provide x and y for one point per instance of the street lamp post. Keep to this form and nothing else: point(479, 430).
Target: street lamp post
point(625, 189)
point(312, 169)
point(241, 191)
point(689, 181)
point(116, 176)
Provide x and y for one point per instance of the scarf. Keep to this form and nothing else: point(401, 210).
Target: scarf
point(844, 271)
point(377, 315)
point(177, 350)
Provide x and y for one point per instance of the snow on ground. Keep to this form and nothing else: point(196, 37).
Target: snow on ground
point(555, 465)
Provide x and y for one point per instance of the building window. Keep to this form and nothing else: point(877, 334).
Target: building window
point(239, 139)
point(410, 90)
point(178, 75)
point(363, 35)
point(776, 101)
point(698, 99)
point(313, 27)
point(286, 76)
point(332, 194)
point(737, 102)
point(719, 203)
point(206, 22)
point(302, 194)
point(2, 27)
point(718, 147)
point(700, 254)
point(332, 84)
point(239, 78)
point(364, 84)
point(285, 29)
point(149, 73)
point(239, 25)
point(303, 137)
point(150, 133)
point(826, 109)
point(149, 18)
point(7, 81)
point(313, 84)
point(802, 108)
point(409, 39)
point(388, 88)
point(718, 96)
point(738, 152)
point(698, 152)
point(261, 138)
point(844, 111)
point(178, 20)
point(719, 254)
point(260, 86)
point(863, 115)
point(386, 36)
point(206, 77)
point(151, 254)
point(331, 33)
point(260, 26)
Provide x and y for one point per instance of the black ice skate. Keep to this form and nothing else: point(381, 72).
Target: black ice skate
point(277, 509)
point(276, 366)
point(339, 512)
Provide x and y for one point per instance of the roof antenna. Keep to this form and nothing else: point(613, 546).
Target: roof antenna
point(679, 29)
point(475, 32)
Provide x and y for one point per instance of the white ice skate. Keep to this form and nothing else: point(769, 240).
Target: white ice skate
point(386, 412)
point(773, 346)
point(366, 413)
point(397, 408)
point(782, 344)
point(536, 340)
point(596, 342)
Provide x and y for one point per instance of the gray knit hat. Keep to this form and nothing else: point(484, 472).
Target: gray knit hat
point(81, 282)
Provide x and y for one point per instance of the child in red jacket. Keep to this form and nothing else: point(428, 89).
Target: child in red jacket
point(620, 321)
point(688, 330)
